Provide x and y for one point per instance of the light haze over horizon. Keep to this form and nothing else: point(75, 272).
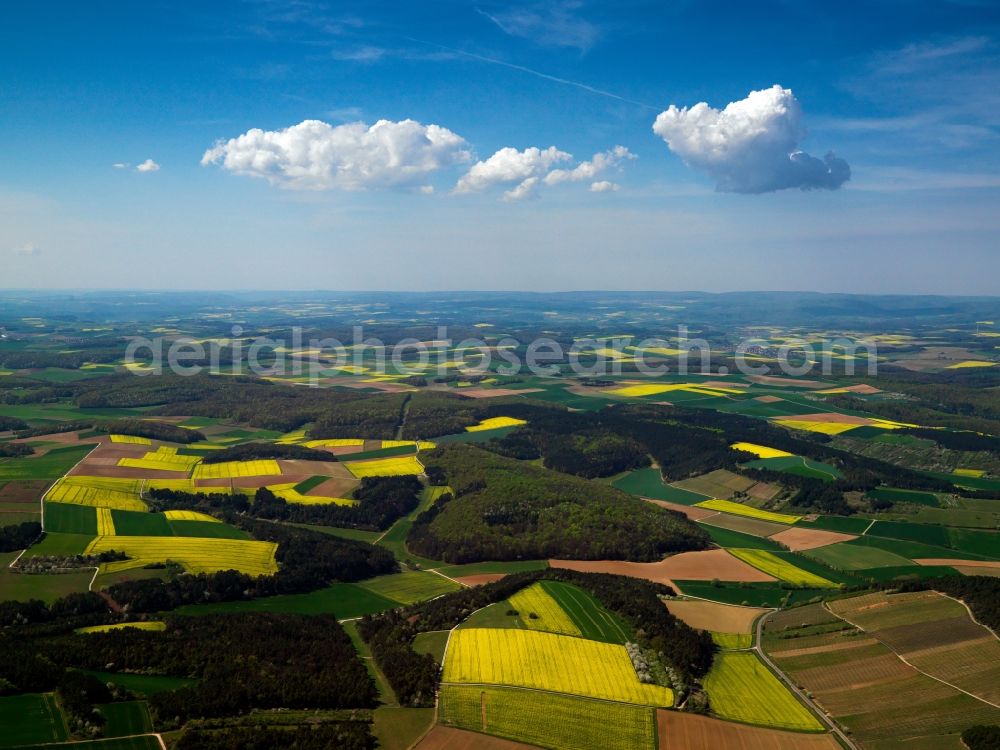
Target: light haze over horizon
point(507, 146)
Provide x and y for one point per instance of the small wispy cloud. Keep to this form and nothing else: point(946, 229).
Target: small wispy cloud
point(555, 24)
point(914, 57)
point(27, 250)
point(120, 165)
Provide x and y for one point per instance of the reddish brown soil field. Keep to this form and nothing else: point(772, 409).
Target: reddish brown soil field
point(768, 399)
point(953, 563)
point(67, 438)
point(480, 579)
point(679, 730)
point(723, 618)
point(313, 468)
point(693, 566)
point(788, 382)
point(800, 539)
point(23, 490)
point(447, 738)
point(830, 416)
point(334, 487)
point(474, 392)
point(691, 511)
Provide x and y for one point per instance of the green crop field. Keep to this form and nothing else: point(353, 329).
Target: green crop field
point(126, 718)
point(30, 718)
point(843, 524)
point(798, 465)
point(729, 538)
point(849, 556)
point(911, 532)
point(751, 594)
point(912, 550)
point(63, 518)
point(905, 496)
point(142, 684)
point(60, 545)
point(547, 719)
point(410, 587)
point(50, 466)
point(433, 643)
point(46, 587)
point(741, 688)
point(588, 615)
point(647, 483)
point(345, 600)
point(137, 523)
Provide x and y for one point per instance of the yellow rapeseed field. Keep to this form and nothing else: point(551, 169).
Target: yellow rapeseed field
point(194, 554)
point(494, 423)
point(153, 626)
point(654, 389)
point(233, 469)
point(549, 616)
point(825, 428)
point(105, 522)
point(738, 509)
point(289, 494)
point(98, 492)
point(761, 451)
point(335, 443)
point(970, 363)
point(741, 688)
point(423, 445)
point(131, 440)
point(189, 515)
point(785, 571)
point(385, 467)
point(547, 661)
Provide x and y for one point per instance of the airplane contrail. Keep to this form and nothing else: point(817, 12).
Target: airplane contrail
point(538, 73)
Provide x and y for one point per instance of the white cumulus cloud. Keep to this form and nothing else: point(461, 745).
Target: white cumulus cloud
point(604, 186)
point(532, 168)
point(751, 146)
point(588, 170)
point(510, 165)
point(315, 155)
point(148, 166)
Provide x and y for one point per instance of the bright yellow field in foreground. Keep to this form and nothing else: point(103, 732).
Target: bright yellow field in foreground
point(546, 661)
point(385, 467)
point(494, 423)
point(194, 554)
point(231, 469)
point(761, 451)
point(98, 492)
point(741, 688)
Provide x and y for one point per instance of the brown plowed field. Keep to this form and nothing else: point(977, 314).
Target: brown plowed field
point(722, 618)
point(694, 566)
point(448, 738)
point(679, 730)
point(693, 512)
point(799, 539)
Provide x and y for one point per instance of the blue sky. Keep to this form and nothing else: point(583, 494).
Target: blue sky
point(122, 162)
